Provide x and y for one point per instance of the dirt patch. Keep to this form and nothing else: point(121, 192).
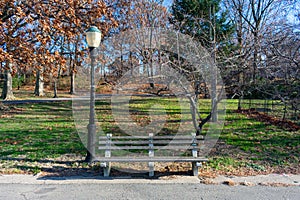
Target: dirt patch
point(207, 172)
point(73, 165)
point(262, 117)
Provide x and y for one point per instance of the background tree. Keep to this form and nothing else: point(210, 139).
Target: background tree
point(136, 16)
point(27, 27)
point(251, 19)
point(257, 24)
point(15, 42)
point(280, 71)
point(206, 22)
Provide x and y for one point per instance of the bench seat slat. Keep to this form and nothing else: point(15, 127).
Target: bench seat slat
point(175, 137)
point(151, 159)
point(146, 147)
point(147, 142)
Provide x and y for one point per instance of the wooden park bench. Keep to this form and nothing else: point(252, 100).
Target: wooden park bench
point(151, 148)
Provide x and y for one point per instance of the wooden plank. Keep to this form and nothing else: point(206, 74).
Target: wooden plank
point(151, 159)
point(133, 142)
point(147, 147)
point(175, 137)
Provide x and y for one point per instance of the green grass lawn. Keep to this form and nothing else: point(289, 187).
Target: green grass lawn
point(42, 131)
point(37, 131)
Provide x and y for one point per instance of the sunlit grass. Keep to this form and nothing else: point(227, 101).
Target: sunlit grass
point(47, 130)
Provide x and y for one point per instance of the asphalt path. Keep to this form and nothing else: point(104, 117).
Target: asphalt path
point(50, 100)
point(25, 187)
point(76, 98)
point(140, 191)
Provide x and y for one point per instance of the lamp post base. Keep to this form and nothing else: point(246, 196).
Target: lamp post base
point(88, 158)
point(91, 143)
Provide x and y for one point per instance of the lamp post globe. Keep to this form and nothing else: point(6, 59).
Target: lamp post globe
point(93, 39)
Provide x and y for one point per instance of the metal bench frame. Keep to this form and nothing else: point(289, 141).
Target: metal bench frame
point(150, 143)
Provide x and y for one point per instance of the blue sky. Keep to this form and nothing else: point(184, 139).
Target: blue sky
point(291, 16)
point(167, 3)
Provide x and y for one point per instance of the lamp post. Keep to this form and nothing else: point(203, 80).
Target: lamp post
point(93, 38)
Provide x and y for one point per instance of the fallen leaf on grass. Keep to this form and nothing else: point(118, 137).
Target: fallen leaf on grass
point(285, 124)
point(6, 116)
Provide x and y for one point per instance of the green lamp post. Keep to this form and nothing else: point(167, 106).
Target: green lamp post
point(93, 38)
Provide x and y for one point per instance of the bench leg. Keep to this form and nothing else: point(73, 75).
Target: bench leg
point(151, 169)
point(195, 166)
point(106, 169)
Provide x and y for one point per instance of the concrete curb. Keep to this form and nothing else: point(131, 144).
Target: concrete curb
point(264, 180)
point(36, 180)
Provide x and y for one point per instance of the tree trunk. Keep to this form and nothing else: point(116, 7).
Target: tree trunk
point(194, 112)
point(241, 59)
point(131, 63)
point(56, 79)
point(255, 56)
point(214, 100)
point(151, 73)
point(241, 90)
point(72, 88)
point(151, 61)
point(7, 93)
point(39, 84)
point(19, 80)
point(55, 88)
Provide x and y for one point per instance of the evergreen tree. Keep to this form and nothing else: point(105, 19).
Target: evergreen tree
point(204, 20)
point(207, 22)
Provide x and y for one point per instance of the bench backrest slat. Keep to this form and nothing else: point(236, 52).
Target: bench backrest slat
point(199, 137)
point(168, 147)
point(149, 143)
point(134, 142)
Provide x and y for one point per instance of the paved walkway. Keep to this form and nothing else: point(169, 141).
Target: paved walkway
point(175, 188)
point(76, 98)
point(49, 100)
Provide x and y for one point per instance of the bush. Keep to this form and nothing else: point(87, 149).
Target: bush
point(17, 81)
